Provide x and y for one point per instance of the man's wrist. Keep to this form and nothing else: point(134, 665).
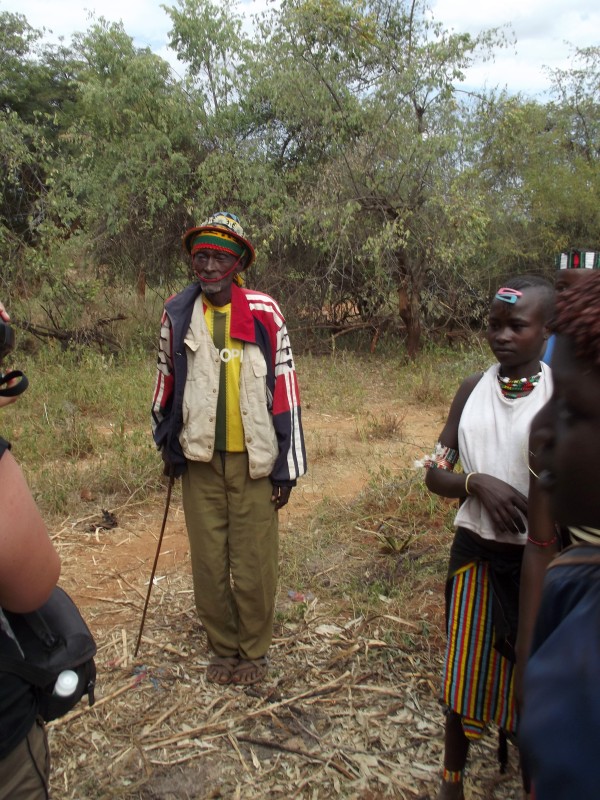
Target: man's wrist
point(283, 484)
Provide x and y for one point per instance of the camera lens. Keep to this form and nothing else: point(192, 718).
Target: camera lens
point(7, 339)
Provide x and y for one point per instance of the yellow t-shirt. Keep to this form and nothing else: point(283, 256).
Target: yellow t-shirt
point(229, 433)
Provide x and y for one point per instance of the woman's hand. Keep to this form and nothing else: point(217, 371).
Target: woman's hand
point(506, 506)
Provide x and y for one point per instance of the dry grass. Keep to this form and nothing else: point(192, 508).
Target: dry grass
point(349, 708)
point(385, 426)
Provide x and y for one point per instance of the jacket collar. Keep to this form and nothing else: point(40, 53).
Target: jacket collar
point(242, 321)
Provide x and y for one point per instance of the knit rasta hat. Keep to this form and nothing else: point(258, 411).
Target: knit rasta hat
point(221, 231)
point(578, 259)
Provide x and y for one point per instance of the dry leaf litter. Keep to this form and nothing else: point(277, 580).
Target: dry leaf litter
point(348, 710)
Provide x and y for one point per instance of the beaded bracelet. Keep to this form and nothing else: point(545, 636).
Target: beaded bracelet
point(467, 482)
point(542, 544)
point(452, 776)
point(441, 458)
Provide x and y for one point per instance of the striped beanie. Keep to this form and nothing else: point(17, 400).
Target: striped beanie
point(217, 240)
point(221, 231)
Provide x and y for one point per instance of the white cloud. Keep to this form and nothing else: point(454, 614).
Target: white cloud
point(542, 29)
point(144, 20)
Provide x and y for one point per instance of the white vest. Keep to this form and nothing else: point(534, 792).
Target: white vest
point(493, 437)
point(201, 393)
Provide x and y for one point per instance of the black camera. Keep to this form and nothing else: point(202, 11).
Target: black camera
point(7, 340)
point(7, 343)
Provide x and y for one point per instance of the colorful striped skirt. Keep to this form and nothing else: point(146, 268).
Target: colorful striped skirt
point(477, 681)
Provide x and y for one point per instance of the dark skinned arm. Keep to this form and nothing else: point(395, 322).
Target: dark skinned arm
point(536, 557)
point(504, 504)
point(442, 481)
point(280, 495)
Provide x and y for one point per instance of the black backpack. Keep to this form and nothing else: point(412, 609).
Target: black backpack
point(52, 639)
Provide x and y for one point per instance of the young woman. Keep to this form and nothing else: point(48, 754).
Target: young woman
point(488, 428)
point(560, 726)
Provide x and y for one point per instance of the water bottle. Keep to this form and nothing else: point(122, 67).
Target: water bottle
point(66, 683)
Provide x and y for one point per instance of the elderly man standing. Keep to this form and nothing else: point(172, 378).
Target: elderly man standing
point(226, 417)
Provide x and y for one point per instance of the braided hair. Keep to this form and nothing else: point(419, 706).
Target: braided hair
point(578, 317)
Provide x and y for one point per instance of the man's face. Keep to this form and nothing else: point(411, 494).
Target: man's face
point(570, 442)
point(212, 268)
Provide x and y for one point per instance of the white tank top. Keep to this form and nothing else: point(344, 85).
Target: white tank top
point(493, 437)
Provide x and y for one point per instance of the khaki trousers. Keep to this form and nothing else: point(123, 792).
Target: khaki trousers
point(25, 771)
point(233, 531)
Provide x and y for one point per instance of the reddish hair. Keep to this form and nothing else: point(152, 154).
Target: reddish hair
point(578, 317)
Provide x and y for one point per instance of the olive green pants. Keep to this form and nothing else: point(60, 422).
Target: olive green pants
point(25, 771)
point(233, 532)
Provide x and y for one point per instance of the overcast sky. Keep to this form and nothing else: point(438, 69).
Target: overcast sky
point(543, 30)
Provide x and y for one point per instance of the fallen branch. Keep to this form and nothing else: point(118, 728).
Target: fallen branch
point(232, 724)
point(327, 760)
point(77, 336)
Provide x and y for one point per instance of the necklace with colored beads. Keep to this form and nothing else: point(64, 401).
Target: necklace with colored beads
point(513, 388)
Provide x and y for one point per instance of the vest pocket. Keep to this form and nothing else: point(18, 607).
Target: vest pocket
point(259, 433)
point(259, 365)
point(203, 362)
point(259, 370)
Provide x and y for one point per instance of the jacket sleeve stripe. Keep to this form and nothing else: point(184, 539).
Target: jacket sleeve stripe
point(259, 302)
point(295, 459)
point(164, 376)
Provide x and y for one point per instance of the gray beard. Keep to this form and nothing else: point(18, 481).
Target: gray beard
point(212, 288)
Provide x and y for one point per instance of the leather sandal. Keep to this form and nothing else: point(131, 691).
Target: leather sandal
point(248, 672)
point(221, 668)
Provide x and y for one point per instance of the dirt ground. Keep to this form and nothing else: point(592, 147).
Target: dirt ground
point(349, 708)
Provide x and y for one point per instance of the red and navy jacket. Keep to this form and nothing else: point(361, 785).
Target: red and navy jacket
point(256, 319)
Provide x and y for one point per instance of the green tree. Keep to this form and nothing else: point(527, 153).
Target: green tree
point(35, 85)
point(123, 179)
point(539, 163)
point(372, 185)
point(363, 113)
point(232, 168)
point(207, 38)
point(17, 44)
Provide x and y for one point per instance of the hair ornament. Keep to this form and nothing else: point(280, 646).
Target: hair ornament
point(508, 295)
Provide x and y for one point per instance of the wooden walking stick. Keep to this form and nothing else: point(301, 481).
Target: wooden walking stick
point(160, 538)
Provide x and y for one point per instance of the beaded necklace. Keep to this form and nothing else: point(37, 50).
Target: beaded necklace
point(513, 388)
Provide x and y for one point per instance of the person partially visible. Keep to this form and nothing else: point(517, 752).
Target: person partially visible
point(570, 267)
point(560, 725)
point(5, 400)
point(487, 429)
point(544, 541)
point(29, 571)
point(545, 537)
point(226, 416)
